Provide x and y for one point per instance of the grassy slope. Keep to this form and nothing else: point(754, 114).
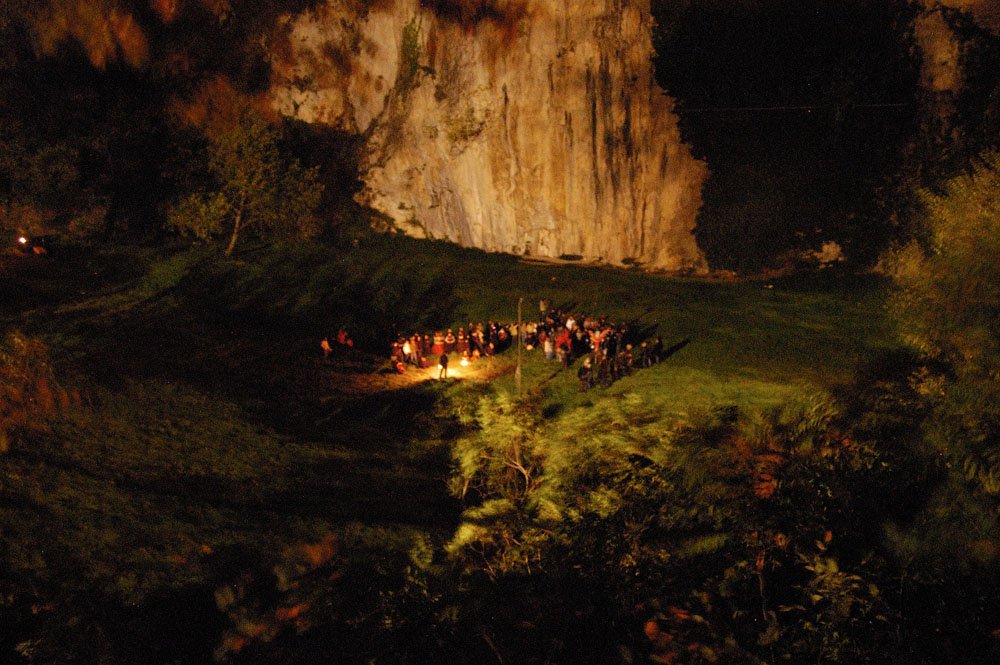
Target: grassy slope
point(217, 428)
point(203, 433)
point(749, 345)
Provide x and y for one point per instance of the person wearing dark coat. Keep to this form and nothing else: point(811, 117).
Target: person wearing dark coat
point(656, 351)
point(585, 374)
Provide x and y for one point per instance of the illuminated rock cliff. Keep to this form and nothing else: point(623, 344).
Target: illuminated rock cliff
point(527, 126)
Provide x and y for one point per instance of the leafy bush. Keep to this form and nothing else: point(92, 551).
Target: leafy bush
point(947, 307)
point(727, 538)
point(29, 392)
point(501, 467)
point(950, 282)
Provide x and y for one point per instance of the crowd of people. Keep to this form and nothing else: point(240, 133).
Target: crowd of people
point(470, 344)
point(609, 350)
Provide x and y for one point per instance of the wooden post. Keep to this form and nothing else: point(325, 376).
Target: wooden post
point(520, 335)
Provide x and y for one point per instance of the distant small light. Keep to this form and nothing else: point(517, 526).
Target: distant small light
point(23, 240)
point(465, 362)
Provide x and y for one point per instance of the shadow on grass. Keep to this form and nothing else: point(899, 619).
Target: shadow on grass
point(379, 466)
point(675, 348)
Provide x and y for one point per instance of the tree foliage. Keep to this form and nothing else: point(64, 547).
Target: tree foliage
point(722, 540)
point(29, 392)
point(948, 307)
point(255, 188)
point(40, 176)
point(948, 302)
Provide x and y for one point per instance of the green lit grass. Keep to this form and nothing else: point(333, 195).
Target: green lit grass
point(213, 424)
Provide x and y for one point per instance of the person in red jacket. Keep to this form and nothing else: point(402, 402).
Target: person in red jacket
point(344, 341)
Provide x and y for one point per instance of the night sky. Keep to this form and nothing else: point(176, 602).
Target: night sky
point(807, 105)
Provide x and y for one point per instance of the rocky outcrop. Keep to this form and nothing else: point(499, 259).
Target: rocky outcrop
point(940, 47)
point(526, 126)
point(949, 36)
point(985, 12)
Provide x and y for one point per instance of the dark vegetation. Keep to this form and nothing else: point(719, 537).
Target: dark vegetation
point(813, 121)
point(103, 137)
point(185, 481)
point(198, 445)
point(811, 476)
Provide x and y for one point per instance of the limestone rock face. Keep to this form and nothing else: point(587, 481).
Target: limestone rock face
point(527, 126)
